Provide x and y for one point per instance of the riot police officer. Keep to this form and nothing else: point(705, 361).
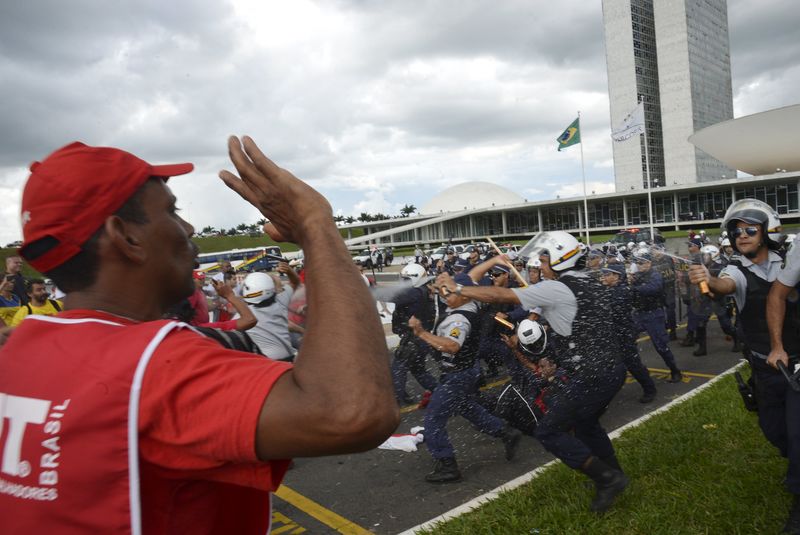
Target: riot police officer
point(577, 308)
point(409, 356)
point(456, 337)
point(613, 276)
point(648, 290)
point(755, 230)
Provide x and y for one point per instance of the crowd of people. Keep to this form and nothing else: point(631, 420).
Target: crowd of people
point(563, 320)
point(213, 380)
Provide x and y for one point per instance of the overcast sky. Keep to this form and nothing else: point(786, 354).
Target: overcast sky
point(376, 104)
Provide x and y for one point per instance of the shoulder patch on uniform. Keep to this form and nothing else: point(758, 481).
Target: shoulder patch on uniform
point(454, 332)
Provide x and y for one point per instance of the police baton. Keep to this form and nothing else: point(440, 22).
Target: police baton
point(791, 378)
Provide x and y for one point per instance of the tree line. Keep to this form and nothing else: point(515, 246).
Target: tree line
point(257, 227)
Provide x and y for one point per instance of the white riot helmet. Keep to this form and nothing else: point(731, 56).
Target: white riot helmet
point(416, 274)
point(534, 263)
point(725, 242)
point(754, 212)
point(710, 250)
point(257, 287)
point(532, 337)
point(562, 248)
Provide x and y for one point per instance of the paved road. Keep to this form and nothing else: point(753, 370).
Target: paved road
point(384, 492)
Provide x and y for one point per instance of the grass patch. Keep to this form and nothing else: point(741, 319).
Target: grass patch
point(702, 467)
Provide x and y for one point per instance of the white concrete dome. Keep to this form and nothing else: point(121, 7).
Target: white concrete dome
point(470, 196)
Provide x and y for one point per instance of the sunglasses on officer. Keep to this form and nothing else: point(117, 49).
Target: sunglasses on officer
point(495, 274)
point(740, 231)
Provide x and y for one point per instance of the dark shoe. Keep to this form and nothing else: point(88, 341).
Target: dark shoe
point(426, 398)
point(700, 338)
point(737, 347)
point(672, 335)
point(648, 397)
point(511, 438)
point(688, 341)
point(608, 484)
point(444, 471)
point(612, 462)
point(793, 522)
point(675, 377)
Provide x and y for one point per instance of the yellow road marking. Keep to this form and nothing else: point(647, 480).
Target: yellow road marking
point(315, 510)
point(690, 374)
point(285, 525)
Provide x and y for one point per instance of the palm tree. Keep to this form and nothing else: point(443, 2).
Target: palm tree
point(208, 230)
point(407, 210)
point(350, 220)
point(364, 217)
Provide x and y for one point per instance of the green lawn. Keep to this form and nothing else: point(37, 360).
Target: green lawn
point(702, 467)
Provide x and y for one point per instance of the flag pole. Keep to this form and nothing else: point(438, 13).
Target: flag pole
point(585, 201)
point(649, 183)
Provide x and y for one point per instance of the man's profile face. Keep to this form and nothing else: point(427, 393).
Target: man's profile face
point(13, 264)
point(644, 265)
point(546, 271)
point(38, 294)
point(226, 266)
point(171, 255)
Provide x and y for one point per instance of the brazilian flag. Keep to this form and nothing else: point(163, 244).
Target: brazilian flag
point(570, 136)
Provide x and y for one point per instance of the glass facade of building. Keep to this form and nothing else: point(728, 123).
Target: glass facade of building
point(645, 59)
point(607, 213)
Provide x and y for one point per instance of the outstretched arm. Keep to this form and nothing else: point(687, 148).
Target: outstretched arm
point(247, 319)
point(338, 398)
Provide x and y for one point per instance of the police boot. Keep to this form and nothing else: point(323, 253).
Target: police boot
point(737, 347)
point(608, 483)
point(793, 522)
point(511, 438)
point(445, 470)
point(689, 340)
point(647, 397)
point(612, 462)
point(701, 341)
point(675, 376)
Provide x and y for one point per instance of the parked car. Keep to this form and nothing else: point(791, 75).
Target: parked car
point(368, 254)
point(625, 236)
point(440, 253)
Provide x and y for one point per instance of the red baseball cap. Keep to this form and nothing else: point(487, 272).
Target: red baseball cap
point(199, 275)
point(70, 194)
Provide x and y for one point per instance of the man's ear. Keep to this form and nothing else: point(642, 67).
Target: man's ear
point(126, 239)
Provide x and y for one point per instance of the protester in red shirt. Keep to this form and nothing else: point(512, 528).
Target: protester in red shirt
point(139, 425)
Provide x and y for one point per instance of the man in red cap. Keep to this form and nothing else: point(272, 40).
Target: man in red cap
point(120, 422)
point(198, 300)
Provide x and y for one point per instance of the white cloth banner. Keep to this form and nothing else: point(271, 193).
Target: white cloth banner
point(632, 125)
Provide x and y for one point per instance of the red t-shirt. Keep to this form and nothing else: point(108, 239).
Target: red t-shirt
point(198, 416)
point(198, 302)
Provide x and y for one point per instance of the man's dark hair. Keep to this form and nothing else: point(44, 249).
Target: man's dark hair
point(30, 282)
point(80, 271)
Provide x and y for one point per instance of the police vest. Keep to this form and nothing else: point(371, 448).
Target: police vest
point(465, 357)
point(753, 317)
point(592, 348)
point(646, 303)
